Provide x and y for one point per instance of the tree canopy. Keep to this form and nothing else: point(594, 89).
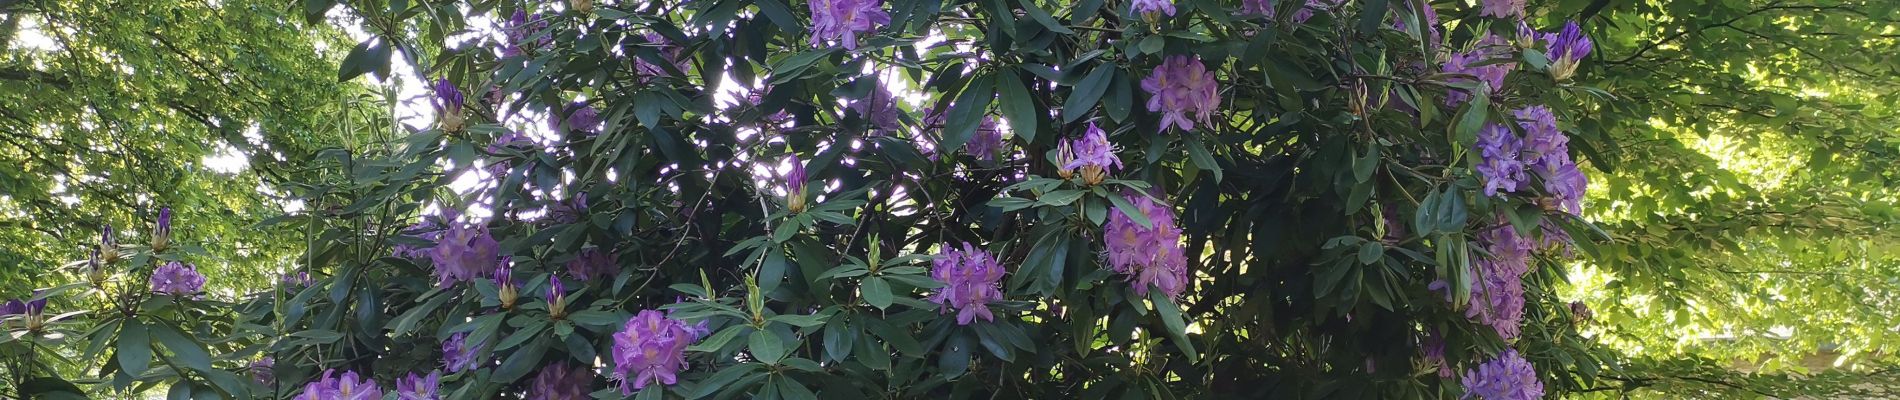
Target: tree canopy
point(919, 198)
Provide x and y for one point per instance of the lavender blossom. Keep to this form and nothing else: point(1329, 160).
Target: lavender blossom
point(1152, 257)
point(1502, 8)
point(13, 307)
point(1179, 86)
point(300, 279)
point(988, 141)
point(1094, 156)
point(556, 297)
point(1489, 77)
point(161, 237)
point(345, 387)
point(651, 348)
point(880, 109)
point(1498, 151)
point(1566, 50)
point(426, 230)
point(1497, 290)
point(177, 279)
point(448, 102)
point(669, 52)
point(1433, 347)
point(1313, 7)
point(465, 252)
point(458, 355)
point(844, 20)
point(571, 211)
point(1509, 377)
point(578, 116)
point(1428, 17)
point(264, 371)
point(1547, 153)
point(594, 263)
point(520, 29)
point(419, 387)
point(795, 185)
point(970, 279)
point(1257, 8)
point(1150, 8)
point(562, 381)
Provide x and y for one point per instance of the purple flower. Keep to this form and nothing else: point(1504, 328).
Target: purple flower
point(1502, 8)
point(448, 98)
point(571, 211)
point(523, 27)
point(1179, 86)
point(13, 307)
point(1580, 313)
point(301, 279)
point(1490, 77)
point(1547, 153)
point(464, 253)
point(970, 278)
point(556, 297)
point(428, 230)
point(36, 305)
point(177, 279)
point(419, 387)
point(844, 20)
point(578, 116)
point(669, 52)
point(988, 141)
point(795, 185)
point(162, 236)
point(1498, 151)
point(346, 387)
point(1566, 49)
point(1313, 7)
point(1497, 289)
point(1257, 8)
point(1433, 347)
point(562, 381)
point(263, 371)
point(1093, 155)
point(108, 247)
point(458, 355)
point(1509, 377)
point(1148, 8)
point(650, 348)
point(594, 263)
point(506, 288)
point(880, 109)
point(1152, 256)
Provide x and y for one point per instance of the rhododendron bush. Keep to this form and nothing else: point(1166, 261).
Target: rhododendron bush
point(914, 199)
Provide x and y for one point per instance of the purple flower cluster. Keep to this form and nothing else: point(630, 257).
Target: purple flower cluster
point(1312, 8)
point(1547, 153)
point(32, 311)
point(970, 278)
point(567, 212)
point(651, 348)
point(1509, 377)
point(428, 230)
point(419, 387)
point(669, 52)
point(523, 27)
point(1152, 257)
point(577, 116)
point(1498, 160)
point(1497, 290)
point(345, 387)
point(458, 355)
point(1092, 154)
point(1179, 86)
point(298, 280)
point(1429, 17)
point(177, 279)
point(1433, 346)
point(1257, 8)
point(562, 381)
point(1502, 8)
point(844, 20)
point(880, 109)
point(263, 371)
point(465, 252)
point(594, 263)
point(1567, 48)
point(1490, 77)
point(988, 141)
point(1150, 8)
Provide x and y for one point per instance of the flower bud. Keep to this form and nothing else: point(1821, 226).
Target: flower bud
point(505, 288)
point(557, 298)
point(582, 6)
point(161, 237)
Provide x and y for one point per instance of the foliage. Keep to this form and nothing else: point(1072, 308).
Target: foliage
point(783, 231)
